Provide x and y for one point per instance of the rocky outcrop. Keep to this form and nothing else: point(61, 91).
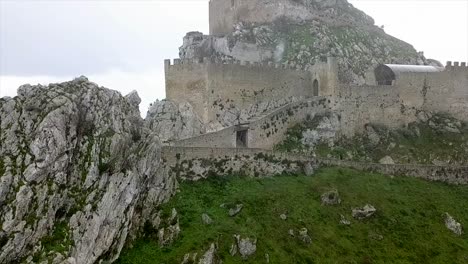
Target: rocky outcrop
point(386, 160)
point(246, 246)
point(301, 33)
point(323, 129)
point(78, 173)
point(228, 114)
point(236, 210)
point(364, 212)
point(331, 198)
point(172, 121)
point(453, 225)
point(304, 236)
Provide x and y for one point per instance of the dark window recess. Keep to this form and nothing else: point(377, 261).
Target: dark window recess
point(316, 87)
point(241, 139)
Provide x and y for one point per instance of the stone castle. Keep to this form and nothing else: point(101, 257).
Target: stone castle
point(252, 103)
point(82, 174)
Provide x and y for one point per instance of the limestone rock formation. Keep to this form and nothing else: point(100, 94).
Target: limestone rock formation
point(210, 256)
point(78, 174)
point(364, 212)
point(247, 246)
point(172, 121)
point(325, 131)
point(229, 114)
point(387, 160)
point(304, 236)
point(206, 219)
point(236, 210)
point(331, 198)
point(453, 225)
point(300, 33)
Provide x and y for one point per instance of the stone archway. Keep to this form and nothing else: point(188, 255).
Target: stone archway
point(315, 87)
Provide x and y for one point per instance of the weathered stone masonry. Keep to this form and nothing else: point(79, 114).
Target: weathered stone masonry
point(209, 86)
point(197, 163)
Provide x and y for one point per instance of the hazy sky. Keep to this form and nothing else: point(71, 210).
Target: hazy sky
point(122, 44)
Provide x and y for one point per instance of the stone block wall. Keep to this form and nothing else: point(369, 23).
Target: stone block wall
point(198, 163)
point(225, 138)
point(397, 105)
point(448, 174)
point(213, 87)
point(265, 132)
point(360, 105)
point(445, 91)
point(270, 130)
point(187, 82)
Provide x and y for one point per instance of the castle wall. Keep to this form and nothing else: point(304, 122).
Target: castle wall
point(264, 133)
point(187, 82)
point(212, 88)
point(225, 138)
point(197, 163)
point(241, 86)
point(193, 164)
point(445, 91)
point(397, 105)
point(360, 105)
point(270, 130)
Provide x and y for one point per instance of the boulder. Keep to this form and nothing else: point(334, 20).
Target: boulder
point(364, 212)
point(304, 236)
point(246, 246)
point(453, 225)
point(234, 211)
point(210, 256)
point(206, 219)
point(387, 160)
point(331, 198)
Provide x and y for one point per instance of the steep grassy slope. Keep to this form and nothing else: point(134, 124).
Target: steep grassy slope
point(407, 228)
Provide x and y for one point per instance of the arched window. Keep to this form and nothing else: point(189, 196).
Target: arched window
point(315, 87)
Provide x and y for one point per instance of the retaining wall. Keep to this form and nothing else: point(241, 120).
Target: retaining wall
point(457, 175)
point(197, 163)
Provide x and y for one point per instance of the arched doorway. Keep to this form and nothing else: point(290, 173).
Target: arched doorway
point(315, 87)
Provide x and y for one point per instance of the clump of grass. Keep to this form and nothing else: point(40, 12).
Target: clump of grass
point(409, 220)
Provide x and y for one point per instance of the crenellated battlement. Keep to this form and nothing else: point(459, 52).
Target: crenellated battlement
point(210, 61)
point(456, 66)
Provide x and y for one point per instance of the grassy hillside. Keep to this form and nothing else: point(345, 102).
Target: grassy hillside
point(407, 228)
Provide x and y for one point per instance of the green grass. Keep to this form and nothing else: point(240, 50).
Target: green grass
point(409, 217)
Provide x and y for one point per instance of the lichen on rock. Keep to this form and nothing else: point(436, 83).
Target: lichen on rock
point(78, 173)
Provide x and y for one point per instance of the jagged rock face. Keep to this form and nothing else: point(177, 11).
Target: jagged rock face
point(78, 175)
point(328, 28)
point(171, 121)
point(230, 115)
